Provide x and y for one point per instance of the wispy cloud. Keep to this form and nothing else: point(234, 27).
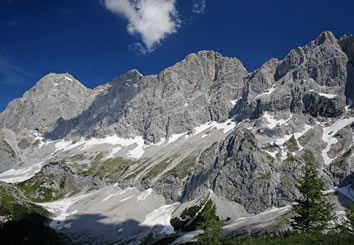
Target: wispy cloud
point(10, 73)
point(153, 20)
point(199, 6)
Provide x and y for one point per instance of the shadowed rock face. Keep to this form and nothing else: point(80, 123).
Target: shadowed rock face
point(347, 44)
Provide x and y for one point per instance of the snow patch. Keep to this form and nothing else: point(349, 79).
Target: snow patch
point(138, 151)
point(227, 126)
point(125, 190)
point(268, 91)
point(127, 198)
point(233, 102)
point(68, 78)
point(161, 217)
point(107, 198)
point(329, 132)
point(174, 137)
point(281, 141)
point(20, 175)
point(273, 154)
point(114, 151)
point(330, 96)
point(145, 194)
point(60, 209)
point(327, 95)
point(272, 122)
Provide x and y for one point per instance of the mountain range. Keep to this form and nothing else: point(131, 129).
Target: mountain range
point(137, 157)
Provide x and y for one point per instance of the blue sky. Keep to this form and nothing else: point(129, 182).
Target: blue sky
point(97, 40)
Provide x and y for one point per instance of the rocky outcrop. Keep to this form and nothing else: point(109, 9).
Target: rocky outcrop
point(194, 91)
point(347, 44)
point(55, 97)
point(311, 79)
point(238, 170)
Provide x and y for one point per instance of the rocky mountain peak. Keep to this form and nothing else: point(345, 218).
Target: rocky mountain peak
point(54, 96)
point(328, 37)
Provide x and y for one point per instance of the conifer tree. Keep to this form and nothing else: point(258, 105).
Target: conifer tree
point(312, 211)
point(211, 225)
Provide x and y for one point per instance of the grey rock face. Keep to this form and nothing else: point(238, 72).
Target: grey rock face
point(300, 82)
point(52, 98)
point(194, 91)
point(347, 44)
point(322, 60)
point(238, 170)
point(9, 152)
point(8, 157)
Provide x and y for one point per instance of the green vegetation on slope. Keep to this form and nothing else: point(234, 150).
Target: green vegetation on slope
point(43, 188)
point(11, 206)
point(183, 168)
point(110, 168)
point(157, 169)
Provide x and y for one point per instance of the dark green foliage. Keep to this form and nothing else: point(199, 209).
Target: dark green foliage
point(291, 158)
point(211, 225)
point(16, 209)
point(296, 238)
point(349, 214)
point(292, 144)
point(190, 216)
point(308, 157)
point(29, 229)
point(312, 211)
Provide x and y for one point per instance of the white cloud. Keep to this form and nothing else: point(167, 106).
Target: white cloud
point(154, 20)
point(199, 6)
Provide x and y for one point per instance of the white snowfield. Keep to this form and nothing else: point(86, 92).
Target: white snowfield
point(20, 175)
point(68, 78)
point(281, 141)
point(272, 122)
point(161, 217)
point(117, 207)
point(60, 209)
point(329, 132)
point(137, 142)
point(227, 126)
point(327, 95)
point(145, 194)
